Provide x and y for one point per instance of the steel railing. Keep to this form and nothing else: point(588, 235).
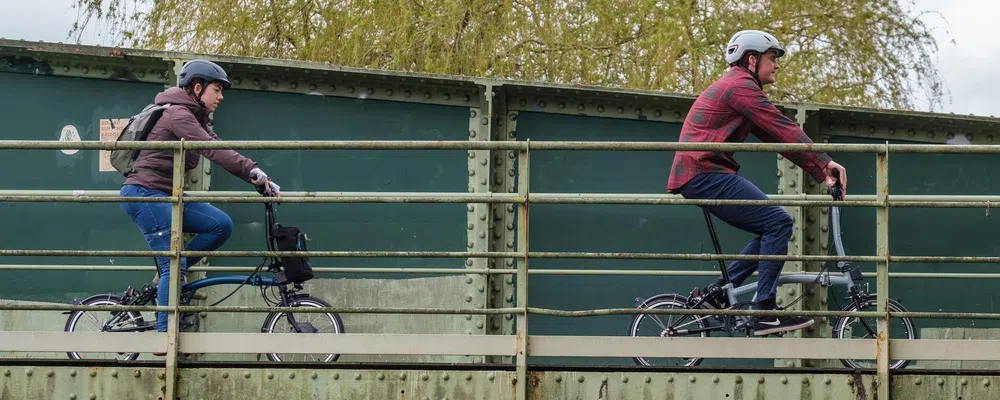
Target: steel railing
point(516, 345)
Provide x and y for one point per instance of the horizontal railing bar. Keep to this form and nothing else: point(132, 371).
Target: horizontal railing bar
point(714, 347)
point(488, 198)
point(535, 197)
point(90, 342)
point(373, 270)
point(347, 343)
point(759, 313)
point(944, 349)
point(501, 145)
point(542, 346)
point(477, 271)
point(485, 254)
point(260, 309)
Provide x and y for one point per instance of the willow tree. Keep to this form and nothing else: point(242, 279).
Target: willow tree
point(874, 53)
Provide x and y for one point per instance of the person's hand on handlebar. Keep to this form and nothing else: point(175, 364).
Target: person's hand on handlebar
point(836, 180)
point(261, 180)
point(836, 173)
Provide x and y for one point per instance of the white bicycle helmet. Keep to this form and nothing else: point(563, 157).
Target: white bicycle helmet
point(751, 40)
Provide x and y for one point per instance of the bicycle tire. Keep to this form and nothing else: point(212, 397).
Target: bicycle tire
point(653, 302)
point(308, 301)
point(100, 300)
point(871, 300)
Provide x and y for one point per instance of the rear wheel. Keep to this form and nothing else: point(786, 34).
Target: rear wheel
point(277, 322)
point(103, 321)
point(658, 325)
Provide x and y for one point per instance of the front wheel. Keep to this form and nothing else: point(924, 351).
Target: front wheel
point(278, 322)
point(853, 328)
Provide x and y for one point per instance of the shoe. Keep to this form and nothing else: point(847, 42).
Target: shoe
point(713, 296)
point(768, 325)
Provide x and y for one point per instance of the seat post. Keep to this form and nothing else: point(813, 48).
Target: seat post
point(715, 243)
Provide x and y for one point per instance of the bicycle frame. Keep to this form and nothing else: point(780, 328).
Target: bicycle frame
point(848, 278)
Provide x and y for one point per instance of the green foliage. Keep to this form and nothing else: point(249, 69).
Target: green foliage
point(873, 53)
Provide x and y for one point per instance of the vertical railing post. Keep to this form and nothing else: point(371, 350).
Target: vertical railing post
point(882, 294)
point(521, 384)
point(176, 241)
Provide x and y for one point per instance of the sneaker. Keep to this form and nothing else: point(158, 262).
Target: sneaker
point(713, 296)
point(768, 325)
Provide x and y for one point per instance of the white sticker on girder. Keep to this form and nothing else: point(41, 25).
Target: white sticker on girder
point(69, 134)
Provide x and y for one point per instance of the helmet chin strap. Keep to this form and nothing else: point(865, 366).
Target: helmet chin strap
point(197, 96)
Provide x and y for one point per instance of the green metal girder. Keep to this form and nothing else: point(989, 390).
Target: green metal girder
point(326, 79)
point(143, 382)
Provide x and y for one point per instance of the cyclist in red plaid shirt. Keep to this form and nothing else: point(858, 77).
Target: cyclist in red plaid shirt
point(729, 110)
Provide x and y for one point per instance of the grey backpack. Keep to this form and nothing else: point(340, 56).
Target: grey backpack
point(136, 130)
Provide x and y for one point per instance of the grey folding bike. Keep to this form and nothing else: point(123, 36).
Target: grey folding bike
point(850, 277)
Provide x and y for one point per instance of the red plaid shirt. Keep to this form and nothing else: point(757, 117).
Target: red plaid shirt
point(726, 112)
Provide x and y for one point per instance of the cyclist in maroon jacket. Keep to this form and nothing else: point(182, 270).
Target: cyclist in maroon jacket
point(727, 111)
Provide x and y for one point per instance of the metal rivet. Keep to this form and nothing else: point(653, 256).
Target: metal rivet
point(381, 376)
point(561, 105)
point(274, 83)
point(559, 378)
point(918, 381)
point(93, 374)
point(350, 89)
point(541, 104)
point(72, 396)
point(295, 85)
point(581, 107)
point(715, 379)
point(761, 379)
point(270, 375)
point(739, 379)
point(940, 381)
point(246, 375)
point(402, 376)
point(138, 373)
point(624, 379)
point(371, 91)
point(50, 374)
point(986, 382)
point(621, 110)
point(491, 377)
point(445, 377)
point(424, 377)
point(600, 108)
point(115, 374)
point(357, 376)
point(71, 373)
point(93, 397)
point(850, 381)
point(336, 376)
point(580, 378)
point(604, 379)
point(648, 379)
point(964, 381)
point(291, 375)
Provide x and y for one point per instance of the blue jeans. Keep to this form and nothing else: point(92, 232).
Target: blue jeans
point(771, 224)
point(211, 226)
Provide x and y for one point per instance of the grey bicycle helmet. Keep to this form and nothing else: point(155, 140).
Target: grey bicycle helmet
point(204, 69)
point(751, 40)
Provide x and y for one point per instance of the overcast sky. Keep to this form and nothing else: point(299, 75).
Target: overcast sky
point(965, 64)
